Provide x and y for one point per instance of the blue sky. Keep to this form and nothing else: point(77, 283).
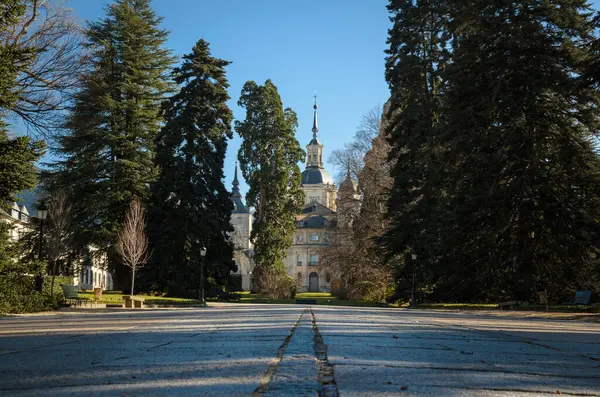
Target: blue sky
point(332, 46)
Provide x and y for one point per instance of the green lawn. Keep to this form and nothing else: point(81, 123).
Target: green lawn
point(117, 297)
point(322, 298)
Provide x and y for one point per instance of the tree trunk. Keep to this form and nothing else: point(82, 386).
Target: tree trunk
point(132, 278)
point(53, 276)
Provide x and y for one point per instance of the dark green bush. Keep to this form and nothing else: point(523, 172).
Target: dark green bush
point(17, 287)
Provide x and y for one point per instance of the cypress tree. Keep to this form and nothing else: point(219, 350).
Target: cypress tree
point(190, 207)
point(107, 153)
point(269, 158)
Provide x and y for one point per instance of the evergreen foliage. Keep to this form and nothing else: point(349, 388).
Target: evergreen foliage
point(190, 207)
point(107, 154)
point(17, 173)
point(12, 59)
point(269, 158)
point(496, 183)
point(417, 58)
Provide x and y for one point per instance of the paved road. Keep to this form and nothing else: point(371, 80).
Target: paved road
point(273, 350)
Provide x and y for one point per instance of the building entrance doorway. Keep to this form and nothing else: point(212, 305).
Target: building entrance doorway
point(313, 282)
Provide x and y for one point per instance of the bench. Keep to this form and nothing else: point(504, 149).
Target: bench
point(581, 298)
point(306, 301)
point(133, 301)
point(509, 305)
point(70, 295)
point(542, 298)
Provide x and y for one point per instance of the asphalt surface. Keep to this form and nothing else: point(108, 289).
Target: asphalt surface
point(279, 350)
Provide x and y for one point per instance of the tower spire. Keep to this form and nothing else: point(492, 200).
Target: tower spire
point(236, 183)
point(315, 127)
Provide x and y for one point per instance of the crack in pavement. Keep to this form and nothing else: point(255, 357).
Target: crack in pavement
point(272, 369)
point(301, 368)
point(326, 374)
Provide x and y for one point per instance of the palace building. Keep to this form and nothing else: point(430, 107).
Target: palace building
point(315, 223)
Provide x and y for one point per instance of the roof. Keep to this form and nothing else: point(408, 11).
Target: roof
point(316, 208)
point(236, 196)
point(238, 206)
point(315, 175)
point(315, 141)
point(313, 222)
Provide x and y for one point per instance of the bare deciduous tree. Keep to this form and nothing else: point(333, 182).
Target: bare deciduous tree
point(58, 55)
point(353, 257)
point(132, 241)
point(59, 235)
point(354, 152)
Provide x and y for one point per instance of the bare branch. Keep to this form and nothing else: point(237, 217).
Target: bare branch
point(59, 235)
point(45, 87)
point(132, 242)
point(353, 153)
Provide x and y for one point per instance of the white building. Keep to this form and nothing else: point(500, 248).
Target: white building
point(89, 274)
point(93, 272)
point(241, 220)
point(317, 220)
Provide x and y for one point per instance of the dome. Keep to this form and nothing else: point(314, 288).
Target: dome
point(313, 176)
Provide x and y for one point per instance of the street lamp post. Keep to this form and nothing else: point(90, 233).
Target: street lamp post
point(42, 213)
point(202, 255)
point(414, 266)
point(250, 253)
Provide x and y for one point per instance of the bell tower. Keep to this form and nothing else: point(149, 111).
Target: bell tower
point(314, 150)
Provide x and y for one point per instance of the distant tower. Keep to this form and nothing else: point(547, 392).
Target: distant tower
point(348, 201)
point(317, 184)
point(241, 220)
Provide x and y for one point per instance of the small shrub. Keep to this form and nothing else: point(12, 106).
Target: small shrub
point(276, 284)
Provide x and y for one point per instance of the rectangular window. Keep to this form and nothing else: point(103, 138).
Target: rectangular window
point(314, 237)
point(314, 260)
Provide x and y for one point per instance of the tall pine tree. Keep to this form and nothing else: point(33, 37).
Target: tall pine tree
point(496, 182)
point(525, 183)
point(17, 154)
point(107, 153)
point(190, 207)
point(419, 51)
point(17, 173)
point(269, 158)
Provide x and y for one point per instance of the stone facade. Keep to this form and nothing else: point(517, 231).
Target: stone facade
point(93, 273)
point(88, 275)
point(241, 220)
point(315, 224)
point(311, 237)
